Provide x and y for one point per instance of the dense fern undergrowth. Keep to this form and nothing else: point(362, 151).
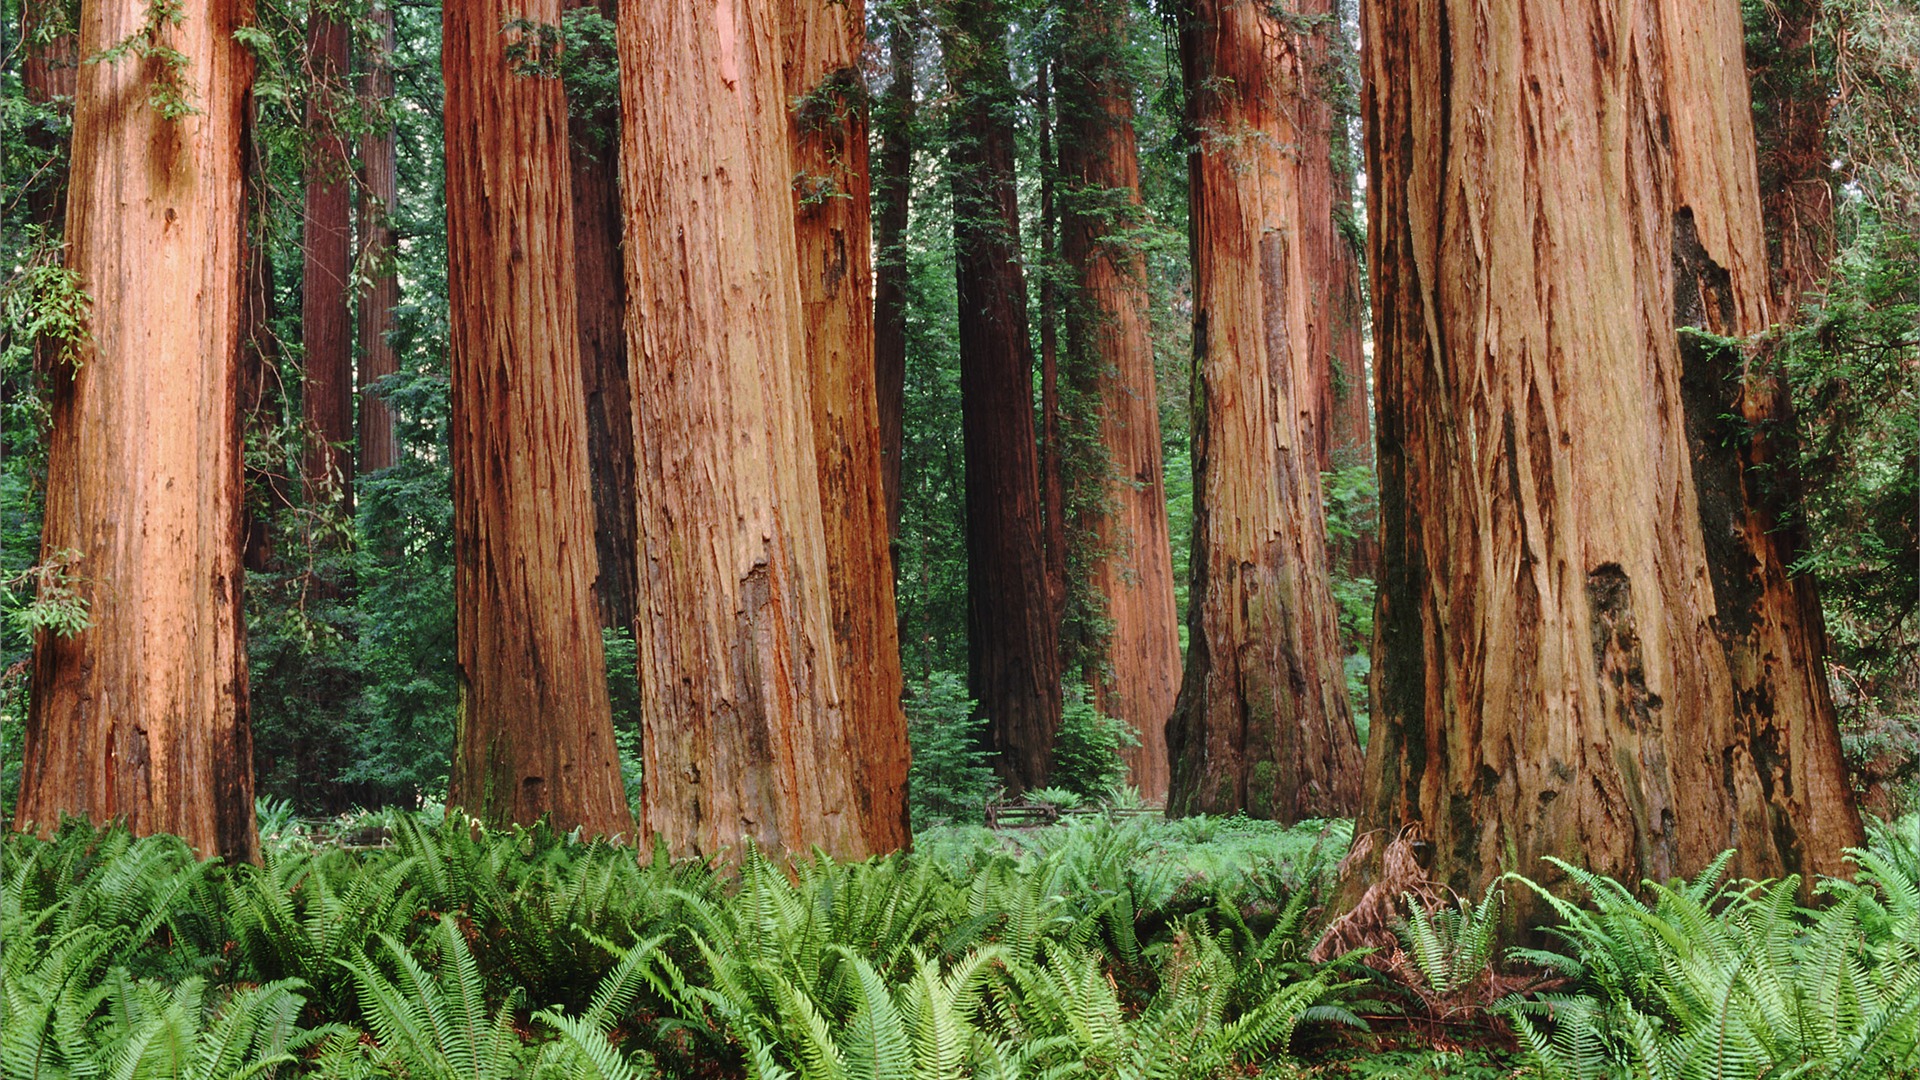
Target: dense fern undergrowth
point(423, 948)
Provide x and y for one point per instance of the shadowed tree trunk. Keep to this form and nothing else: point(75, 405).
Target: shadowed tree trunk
point(535, 729)
point(745, 729)
point(603, 345)
point(1110, 343)
point(892, 191)
point(379, 189)
point(1012, 628)
point(827, 131)
point(326, 322)
point(1792, 97)
point(1552, 679)
point(1262, 723)
point(143, 715)
point(48, 74)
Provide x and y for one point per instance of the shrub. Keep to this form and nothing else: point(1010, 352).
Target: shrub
point(1086, 752)
point(949, 780)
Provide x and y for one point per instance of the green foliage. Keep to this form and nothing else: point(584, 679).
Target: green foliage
point(949, 779)
point(1452, 946)
point(1736, 981)
point(451, 951)
point(1086, 749)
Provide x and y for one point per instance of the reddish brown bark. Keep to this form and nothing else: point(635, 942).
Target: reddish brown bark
point(535, 728)
point(1012, 627)
point(143, 716)
point(745, 728)
point(1791, 101)
point(602, 284)
point(1262, 723)
point(379, 187)
point(49, 75)
point(326, 321)
point(892, 191)
point(827, 132)
point(1110, 341)
point(1053, 491)
point(1555, 676)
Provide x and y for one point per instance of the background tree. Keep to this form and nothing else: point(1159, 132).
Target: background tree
point(827, 132)
point(744, 716)
point(379, 193)
point(892, 189)
point(1263, 723)
point(142, 715)
point(1110, 344)
point(536, 732)
point(326, 318)
point(1551, 681)
point(1012, 627)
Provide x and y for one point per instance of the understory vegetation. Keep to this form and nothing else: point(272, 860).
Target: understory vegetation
point(414, 945)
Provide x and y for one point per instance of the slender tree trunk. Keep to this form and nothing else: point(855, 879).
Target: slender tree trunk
point(1551, 681)
point(892, 189)
point(1053, 493)
point(745, 730)
point(268, 491)
point(1791, 101)
point(603, 346)
point(49, 75)
point(535, 729)
point(1012, 628)
point(1110, 342)
point(1262, 723)
point(326, 321)
point(827, 131)
point(143, 716)
point(1336, 311)
point(378, 192)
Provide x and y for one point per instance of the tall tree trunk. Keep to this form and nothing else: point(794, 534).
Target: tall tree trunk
point(1791, 100)
point(602, 286)
point(267, 489)
point(1262, 723)
point(1337, 312)
point(1053, 493)
point(745, 732)
point(893, 189)
point(1012, 628)
point(535, 729)
point(378, 192)
point(326, 323)
point(827, 130)
point(1110, 342)
point(1551, 681)
point(143, 715)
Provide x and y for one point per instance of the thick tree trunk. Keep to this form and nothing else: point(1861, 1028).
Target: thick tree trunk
point(379, 189)
point(827, 130)
point(1551, 679)
point(745, 731)
point(1110, 341)
point(1262, 723)
point(892, 190)
point(535, 729)
point(143, 716)
point(326, 322)
point(1336, 313)
point(602, 286)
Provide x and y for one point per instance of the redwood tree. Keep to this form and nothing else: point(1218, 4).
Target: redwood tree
point(1012, 627)
point(1553, 677)
point(1110, 344)
point(326, 320)
point(744, 721)
point(602, 288)
point(535, 731)
point(379, 187)
point(143, 715)
point(1262, 723)
point(892, 189)
point(827, 133)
